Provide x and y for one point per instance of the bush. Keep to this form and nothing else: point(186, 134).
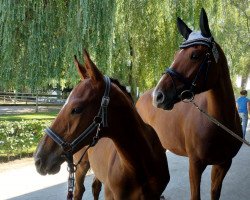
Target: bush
point(20, 136)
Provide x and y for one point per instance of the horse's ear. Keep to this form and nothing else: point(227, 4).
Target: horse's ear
point(80, 68)
point(91, 68)
point(205, 31)
point(183, 28)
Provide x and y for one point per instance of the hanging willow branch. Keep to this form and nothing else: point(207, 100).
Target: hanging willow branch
point(130, 40)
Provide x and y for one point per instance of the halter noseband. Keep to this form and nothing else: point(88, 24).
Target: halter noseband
point(100, 118)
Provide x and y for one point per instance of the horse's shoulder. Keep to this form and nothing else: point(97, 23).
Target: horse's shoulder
point(146, 96)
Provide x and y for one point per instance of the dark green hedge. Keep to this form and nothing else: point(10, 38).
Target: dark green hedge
point(20, 137)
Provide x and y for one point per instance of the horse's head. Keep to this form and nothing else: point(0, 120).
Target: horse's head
point(194, 69)
point(77, 122)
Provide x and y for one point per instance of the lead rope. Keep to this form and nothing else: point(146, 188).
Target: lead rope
point(71, 184)
point(73, 167)
point(215, 121)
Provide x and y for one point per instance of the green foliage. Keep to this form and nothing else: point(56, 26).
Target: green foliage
point(19, 136)
point(130, 40)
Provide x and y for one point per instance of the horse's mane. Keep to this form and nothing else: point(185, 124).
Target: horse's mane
point(123, 88)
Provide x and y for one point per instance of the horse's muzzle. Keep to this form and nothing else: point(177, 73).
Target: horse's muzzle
point(161, 101)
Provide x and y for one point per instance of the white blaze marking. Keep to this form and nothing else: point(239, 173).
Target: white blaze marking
point(67, 100)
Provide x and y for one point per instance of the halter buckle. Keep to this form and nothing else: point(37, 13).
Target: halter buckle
point(105, 101)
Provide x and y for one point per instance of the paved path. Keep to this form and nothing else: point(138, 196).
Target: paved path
point(26, 109)
point(20, 181)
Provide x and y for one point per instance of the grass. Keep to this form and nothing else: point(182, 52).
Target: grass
point(19, 117)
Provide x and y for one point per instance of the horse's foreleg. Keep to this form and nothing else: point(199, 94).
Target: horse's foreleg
point(217, 176)
point(79, 177)
point(96, 188)
point(196, 169)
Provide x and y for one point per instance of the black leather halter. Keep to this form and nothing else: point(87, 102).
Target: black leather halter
point(99, 119)
point(189, 86)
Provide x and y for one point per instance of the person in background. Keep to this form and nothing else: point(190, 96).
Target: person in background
point(243, 106)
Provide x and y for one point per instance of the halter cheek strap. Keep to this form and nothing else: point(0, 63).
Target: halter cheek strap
point(105, 103)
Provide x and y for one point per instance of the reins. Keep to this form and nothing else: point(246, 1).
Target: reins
point(212, 119)
point(99, 121)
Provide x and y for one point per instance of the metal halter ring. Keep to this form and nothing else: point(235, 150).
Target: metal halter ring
point(187, 96)
point(67, 147)
point(72, 169)
point(98, 120)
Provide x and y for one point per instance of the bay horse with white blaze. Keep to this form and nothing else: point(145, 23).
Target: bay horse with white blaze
point(199, 68)
point(128, 159)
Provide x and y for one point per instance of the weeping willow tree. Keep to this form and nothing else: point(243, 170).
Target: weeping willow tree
point(130, 40)
point(39, 39)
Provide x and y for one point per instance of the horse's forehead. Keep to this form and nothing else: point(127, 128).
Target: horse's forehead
point(181, 57)
point(177, 56)
point(67, 100)
point(77, 92)
point(186, 51)
point(178, 53)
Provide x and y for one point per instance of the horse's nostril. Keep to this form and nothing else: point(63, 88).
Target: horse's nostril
point(160, 97)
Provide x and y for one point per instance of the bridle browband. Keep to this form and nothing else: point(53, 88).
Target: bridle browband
point(100, 120)
point(189, 86)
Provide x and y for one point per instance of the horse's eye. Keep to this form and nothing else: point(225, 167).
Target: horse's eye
point(77, 110)
point(195, 56)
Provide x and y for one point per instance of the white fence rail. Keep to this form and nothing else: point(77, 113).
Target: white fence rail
point(30, 98)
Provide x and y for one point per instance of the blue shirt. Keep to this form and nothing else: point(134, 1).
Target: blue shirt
point(242, 104)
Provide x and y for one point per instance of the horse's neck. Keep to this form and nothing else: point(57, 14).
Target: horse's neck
point(221, 97)
point(130, 138)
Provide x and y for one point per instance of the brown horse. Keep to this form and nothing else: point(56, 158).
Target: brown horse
point(199, 68)
point(128, 159)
